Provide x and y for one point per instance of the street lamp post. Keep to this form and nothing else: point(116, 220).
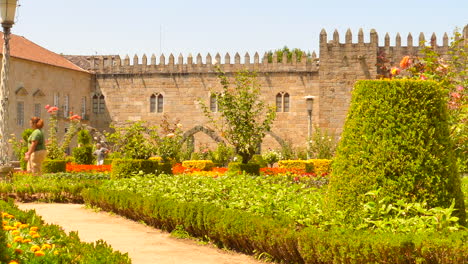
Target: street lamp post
point(310, 106)
point(7, 13)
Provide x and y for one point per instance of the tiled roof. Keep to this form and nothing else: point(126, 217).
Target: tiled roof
point(22, 48)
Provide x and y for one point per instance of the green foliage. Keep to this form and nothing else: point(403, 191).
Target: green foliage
point(249, 168)
point(56, 187)
point(84, 137)
point(396, 137)
point(83, 154)
point(222, 154)
point(350, 246)
point(289, 53)
point(133, 140)
point(68, 246)
point(124, 168)
point(271, 157)
point(384, 216)
point(52, 166)
point(244, 118)
point(168, 144)
point(258, 159)
point(321, 145)
point(277, 236)
point(205, 165)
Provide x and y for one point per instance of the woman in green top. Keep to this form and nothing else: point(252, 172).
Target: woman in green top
point(36, 147)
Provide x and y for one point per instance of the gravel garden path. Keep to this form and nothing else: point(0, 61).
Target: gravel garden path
point(144, 245)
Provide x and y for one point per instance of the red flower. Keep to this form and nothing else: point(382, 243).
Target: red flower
point(47, 106)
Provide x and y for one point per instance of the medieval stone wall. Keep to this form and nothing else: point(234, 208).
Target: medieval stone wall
point(128, 86)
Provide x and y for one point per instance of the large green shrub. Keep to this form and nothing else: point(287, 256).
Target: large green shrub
point(249, 168)
point(123, 168)
point(83, 154)
point(52, 166)
point(396, 138)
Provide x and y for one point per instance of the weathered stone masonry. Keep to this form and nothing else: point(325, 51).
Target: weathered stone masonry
point(128, 87)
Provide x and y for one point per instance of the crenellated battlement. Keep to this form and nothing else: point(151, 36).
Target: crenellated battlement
point(113, 64)
point(335, 49)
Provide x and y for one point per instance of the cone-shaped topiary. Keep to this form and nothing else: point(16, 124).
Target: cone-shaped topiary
point(396, 137)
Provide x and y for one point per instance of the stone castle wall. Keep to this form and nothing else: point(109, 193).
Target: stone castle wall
point(183, 82)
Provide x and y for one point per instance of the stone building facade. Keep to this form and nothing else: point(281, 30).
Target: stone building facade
point(180, 83)
point(116, 90)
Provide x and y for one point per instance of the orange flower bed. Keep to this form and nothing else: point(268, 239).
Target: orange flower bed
point(179, 169)
point(72, 167)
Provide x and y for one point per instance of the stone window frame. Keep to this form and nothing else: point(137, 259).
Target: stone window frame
point(20, 113)
point(156, 103)
point(214, 106)
point(283, 102)
point(99, 103)
point(37, 110)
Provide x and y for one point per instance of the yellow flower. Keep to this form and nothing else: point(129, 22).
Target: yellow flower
point(18, 250)
point(39, 253)
point(33, 228)
point(36, 236)
point(13, 262)
point(8, 245)
point(35, 248)
point(32, 233)
point(23, 226)
point(46, 246)
point(56, 252)
point(27, 240)
point(18, 224)
point(15, 233)
point(17, 239)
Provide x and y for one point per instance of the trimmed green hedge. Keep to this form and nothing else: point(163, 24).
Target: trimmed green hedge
point(124, 168)
point(396, 138)
point(280, 238)
point(52, 166)
point(306, 165)
point(205, 165)
point(249, 168)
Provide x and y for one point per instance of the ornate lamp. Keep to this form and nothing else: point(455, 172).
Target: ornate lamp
point(7, 13)
point(310, 107)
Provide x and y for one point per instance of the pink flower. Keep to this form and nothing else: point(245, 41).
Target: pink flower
point(75, 117)
point(52, 110)
point(47, 106)
point(423, 77)
point(456, 95)
point(459, 88)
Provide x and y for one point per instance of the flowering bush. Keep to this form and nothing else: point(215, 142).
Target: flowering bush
point(321, 145)
point(56, 151)
point(271, 157)
point(25, 243)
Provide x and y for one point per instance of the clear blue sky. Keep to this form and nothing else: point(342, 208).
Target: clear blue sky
point(131, 27)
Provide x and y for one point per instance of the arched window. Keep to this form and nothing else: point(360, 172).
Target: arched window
point(279, 103)
point(95, 104)
point(286, 102)
point(102, 104)
point(156, 103)
point(160, 103)
point(282, 102)
point(99, 104)
point(214, 102)
point(153, 103)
